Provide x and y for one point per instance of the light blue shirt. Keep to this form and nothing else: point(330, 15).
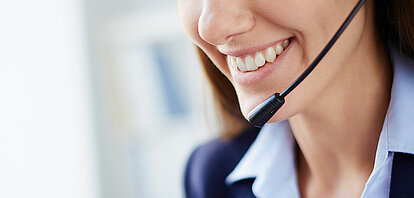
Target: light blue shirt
point(271, 157)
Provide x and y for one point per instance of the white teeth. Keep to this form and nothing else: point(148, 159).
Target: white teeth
point(270, 54)
point(279, 49)
point(259, 59)
point(285, 44)
point(233, 63)
point(229, 61)
point(240, 64)
point(253, 62)
point(250, 63)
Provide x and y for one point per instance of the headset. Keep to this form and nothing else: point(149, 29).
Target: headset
point(265, 110)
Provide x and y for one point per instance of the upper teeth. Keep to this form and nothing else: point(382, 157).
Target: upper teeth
point(252, 62)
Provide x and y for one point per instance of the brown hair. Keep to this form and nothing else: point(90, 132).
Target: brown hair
point(394, 20)
point(395, 23)
point(225, 99)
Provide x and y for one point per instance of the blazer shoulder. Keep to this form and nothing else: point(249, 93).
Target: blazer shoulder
point(210, 163)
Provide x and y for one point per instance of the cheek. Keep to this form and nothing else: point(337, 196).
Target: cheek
point(315, 36)
point(313, 26)
point(309, 20)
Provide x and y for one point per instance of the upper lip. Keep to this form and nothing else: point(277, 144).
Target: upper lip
point(237, 52)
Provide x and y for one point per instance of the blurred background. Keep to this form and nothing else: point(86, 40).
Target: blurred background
point(98, 99)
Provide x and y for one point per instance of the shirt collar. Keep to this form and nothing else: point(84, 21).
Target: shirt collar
point(272, 153)
point(399, 123)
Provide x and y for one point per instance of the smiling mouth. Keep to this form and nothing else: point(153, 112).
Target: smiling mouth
point(254, 61)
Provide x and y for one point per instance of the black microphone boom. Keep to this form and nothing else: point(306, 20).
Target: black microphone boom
point(265, 110)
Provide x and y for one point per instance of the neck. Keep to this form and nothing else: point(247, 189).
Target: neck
point(338, 135)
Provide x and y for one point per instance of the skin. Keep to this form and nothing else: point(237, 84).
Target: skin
point(337, 113)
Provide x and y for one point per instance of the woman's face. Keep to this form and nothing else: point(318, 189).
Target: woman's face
point(241, 37)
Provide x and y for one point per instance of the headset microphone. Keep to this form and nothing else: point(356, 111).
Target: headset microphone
point(265, 110)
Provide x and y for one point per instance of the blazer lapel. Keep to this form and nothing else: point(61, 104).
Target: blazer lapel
point(402, 176)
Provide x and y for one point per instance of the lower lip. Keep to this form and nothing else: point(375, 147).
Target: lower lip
point(253, 77)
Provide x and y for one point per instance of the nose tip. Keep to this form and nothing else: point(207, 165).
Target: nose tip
point(220, 20)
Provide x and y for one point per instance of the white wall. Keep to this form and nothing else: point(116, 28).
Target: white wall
point(137, 48)
point(47, 143)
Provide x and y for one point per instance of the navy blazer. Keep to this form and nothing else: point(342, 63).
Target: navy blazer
point(211, 163)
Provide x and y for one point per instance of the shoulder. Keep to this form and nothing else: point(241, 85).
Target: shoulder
point(210, 163)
